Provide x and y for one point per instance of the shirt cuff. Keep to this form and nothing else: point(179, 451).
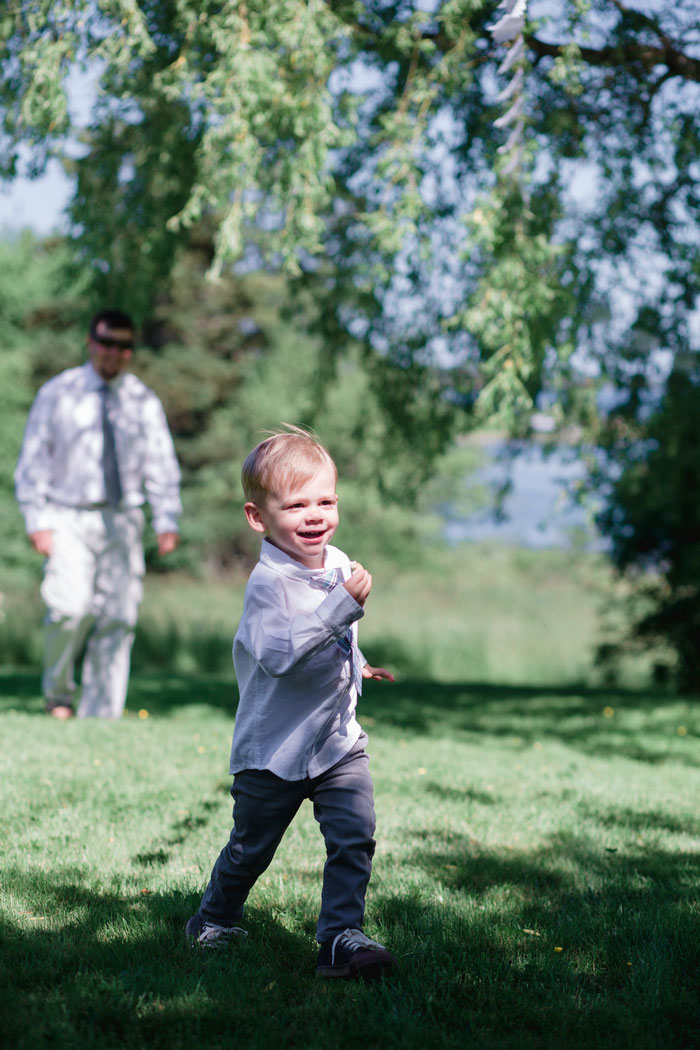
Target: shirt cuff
point(339, 609)
point(165, 523)
point(37, 518)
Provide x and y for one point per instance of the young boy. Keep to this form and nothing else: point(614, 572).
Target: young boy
point(299, 672)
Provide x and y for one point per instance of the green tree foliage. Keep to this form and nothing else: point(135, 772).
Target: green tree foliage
point(38, 308)
point(230, 361)
point(355, 143)
point(653, 516)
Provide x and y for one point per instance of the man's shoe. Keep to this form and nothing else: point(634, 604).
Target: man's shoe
point(60, 709)
point(352, 954)
point(208, 935)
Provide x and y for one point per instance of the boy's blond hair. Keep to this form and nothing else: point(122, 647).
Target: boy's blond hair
point(282, 462)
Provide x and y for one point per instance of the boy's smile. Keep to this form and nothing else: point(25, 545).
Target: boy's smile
point(302, 521)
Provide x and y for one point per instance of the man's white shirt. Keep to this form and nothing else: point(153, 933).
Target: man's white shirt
point(61, 457)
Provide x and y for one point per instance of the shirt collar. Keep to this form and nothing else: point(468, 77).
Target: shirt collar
point(95, 381)
point(294, 570)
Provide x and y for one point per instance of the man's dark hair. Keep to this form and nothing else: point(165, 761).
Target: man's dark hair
point(113, 319)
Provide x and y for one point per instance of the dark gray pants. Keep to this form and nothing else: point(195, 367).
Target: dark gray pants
point(264, 807)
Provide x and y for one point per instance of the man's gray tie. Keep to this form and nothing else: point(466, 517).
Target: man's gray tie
point(110, 464)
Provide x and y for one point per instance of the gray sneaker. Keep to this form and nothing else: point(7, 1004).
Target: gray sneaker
point(208, 935)
point(352, 954)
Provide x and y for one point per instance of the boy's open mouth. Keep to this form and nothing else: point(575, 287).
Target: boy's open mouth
point(313, 535)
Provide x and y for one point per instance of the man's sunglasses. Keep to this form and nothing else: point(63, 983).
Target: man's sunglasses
point(109, 341)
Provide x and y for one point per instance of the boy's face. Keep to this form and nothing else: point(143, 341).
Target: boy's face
point(302, 521)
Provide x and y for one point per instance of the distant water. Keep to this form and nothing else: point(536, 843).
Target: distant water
point(537, 512)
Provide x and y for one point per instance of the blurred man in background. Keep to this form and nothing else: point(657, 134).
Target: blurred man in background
point(96, 447)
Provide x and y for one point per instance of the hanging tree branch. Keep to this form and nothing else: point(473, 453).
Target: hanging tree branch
point(647, 56)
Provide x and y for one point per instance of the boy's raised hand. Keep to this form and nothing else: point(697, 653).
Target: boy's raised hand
point(360, 583)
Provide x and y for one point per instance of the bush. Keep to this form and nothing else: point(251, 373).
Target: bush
point(653, 522)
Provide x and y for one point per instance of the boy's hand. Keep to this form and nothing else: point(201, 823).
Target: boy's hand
point(360, 583)
point(377, 673)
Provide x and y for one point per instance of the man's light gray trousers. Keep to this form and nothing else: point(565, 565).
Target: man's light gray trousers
point(92, 587)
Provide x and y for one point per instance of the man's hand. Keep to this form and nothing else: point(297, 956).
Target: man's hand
point(360, 584)
point(377, 673)
point(167, 542)
point(42, 541)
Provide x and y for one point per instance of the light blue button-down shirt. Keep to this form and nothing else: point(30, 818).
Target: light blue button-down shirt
point(61, 457)
point(296, 715)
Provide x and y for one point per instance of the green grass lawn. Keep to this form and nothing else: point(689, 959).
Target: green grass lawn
point(538, 843)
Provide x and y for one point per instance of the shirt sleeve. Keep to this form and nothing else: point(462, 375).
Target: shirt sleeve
point(280, 638)
point(161, 479)
point(33, 471)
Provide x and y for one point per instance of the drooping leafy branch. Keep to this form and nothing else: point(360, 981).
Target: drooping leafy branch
point(354, 142)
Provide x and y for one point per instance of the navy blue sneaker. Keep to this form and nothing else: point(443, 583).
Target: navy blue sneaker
point(205, 934)
point(352, 954)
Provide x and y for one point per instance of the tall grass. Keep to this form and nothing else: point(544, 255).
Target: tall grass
point(536, 869)
point(480, 612)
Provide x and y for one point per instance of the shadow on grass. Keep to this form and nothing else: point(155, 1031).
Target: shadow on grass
point(157, 692)
point(116, 970)
point(179, 832)
point(568, 944)
point(20, 690)
point(642, 725)
point(473, 970)
point(608, 723)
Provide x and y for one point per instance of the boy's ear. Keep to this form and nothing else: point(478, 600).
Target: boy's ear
point(255, 518)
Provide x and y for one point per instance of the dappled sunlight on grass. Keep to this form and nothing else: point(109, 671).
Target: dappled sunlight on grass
point(537, 846)
point(645, 725)
point(648, 726)
point(535, 874)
